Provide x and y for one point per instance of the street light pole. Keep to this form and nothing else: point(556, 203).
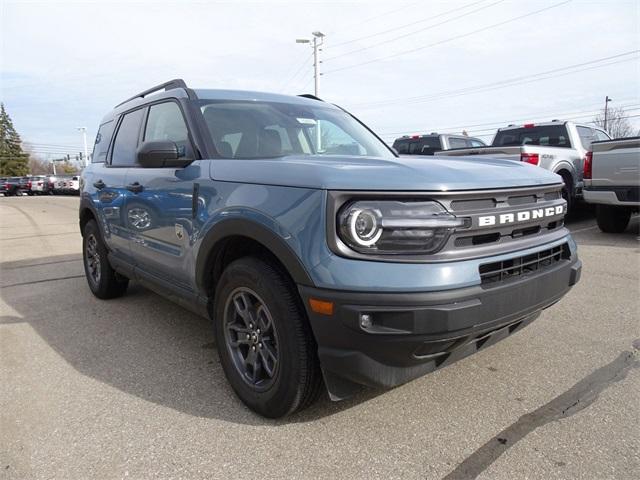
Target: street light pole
point(318, 40)
point(84, 140)
point(606, 105)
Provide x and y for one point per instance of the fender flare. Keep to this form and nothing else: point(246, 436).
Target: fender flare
point(87, 204)
point(257, 232)
point(564, 165)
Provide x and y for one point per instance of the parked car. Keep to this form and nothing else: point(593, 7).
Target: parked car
point(612, 182)
point(3, 185)
point(317, 257)
point(72, 185)
point(51, 182)
point(434, 142)
point(16, 186)
point(39, 185)
point(557, 146)
point(66, 184)
point(59, 184)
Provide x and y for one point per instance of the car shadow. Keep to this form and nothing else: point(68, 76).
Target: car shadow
point(584, 229)
point(140, 344)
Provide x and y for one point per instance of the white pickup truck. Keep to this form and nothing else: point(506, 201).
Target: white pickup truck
point(612, 182)
point(558, 146)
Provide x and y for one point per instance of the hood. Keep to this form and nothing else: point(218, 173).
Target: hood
point(416, 173)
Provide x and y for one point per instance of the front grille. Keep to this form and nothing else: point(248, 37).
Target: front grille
point(497, 272)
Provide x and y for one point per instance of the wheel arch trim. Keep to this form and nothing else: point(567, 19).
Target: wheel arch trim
point(257, 232)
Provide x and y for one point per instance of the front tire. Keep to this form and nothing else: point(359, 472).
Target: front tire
point(612, 219)
point(103, 280)
point(567, 191)
point(265, 344)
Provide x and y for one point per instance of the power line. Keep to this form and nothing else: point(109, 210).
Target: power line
point(450, 39)
point(516, 119)
point(484, 7)
point(296, 73)
point(375, 17)
point(520, 80)
point(49, 144)
point(406, 25)
point(493, 130)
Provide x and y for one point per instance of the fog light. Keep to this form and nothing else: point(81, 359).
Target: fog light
point(366, 320)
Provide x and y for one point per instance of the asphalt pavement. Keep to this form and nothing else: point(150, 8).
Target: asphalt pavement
point(132, 387)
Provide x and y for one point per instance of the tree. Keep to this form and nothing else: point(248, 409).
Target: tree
point(68, 168)
point(37, 166)
point(618, 125)
point(13, 160)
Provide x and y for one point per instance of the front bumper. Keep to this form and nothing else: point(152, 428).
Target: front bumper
point(415, 333)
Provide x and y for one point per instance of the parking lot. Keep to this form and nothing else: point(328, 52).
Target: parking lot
point(132, 388)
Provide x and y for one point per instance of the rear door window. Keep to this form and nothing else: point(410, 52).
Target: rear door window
point(126, 142)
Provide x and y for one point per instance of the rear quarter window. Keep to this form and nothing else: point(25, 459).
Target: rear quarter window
point(458, 143)
point(103, 139)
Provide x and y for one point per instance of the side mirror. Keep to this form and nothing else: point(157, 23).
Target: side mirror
point(158, 154)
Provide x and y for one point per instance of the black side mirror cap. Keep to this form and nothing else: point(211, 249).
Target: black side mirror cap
point(158, 154)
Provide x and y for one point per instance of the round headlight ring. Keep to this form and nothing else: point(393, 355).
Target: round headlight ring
point(364, 227)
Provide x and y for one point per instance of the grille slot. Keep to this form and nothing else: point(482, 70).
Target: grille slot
point(475, 204)
point(497, 272)
point(552, 195)
point(522, 200)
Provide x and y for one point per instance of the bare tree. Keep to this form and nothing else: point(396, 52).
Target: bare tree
point(618, 125)
point(37, 166)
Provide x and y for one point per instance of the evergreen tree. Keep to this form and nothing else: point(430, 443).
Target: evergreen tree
point(14, 161)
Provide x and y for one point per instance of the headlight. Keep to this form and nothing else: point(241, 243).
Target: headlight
point(395, 227)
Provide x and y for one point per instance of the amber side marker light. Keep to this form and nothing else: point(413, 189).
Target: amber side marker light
point(320, 306)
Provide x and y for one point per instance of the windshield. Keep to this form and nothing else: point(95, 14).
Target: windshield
point(248, 129)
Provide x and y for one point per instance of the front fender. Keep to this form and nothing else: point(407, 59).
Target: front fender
point(260, 228)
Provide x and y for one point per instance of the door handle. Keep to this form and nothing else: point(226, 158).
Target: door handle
point(135, 187)
point(99, 184)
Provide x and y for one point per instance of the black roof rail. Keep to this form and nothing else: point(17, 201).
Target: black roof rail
point(170, 85)
point(312, 97)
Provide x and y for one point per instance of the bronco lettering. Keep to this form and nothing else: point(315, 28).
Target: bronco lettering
point(522, 216)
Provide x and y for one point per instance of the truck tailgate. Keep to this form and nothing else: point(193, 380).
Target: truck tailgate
point(510, 153)
point(616, 163)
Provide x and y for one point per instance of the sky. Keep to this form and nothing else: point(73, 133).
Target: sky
point(401, 67)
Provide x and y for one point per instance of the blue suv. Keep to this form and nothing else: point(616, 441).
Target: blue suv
point(320, 256)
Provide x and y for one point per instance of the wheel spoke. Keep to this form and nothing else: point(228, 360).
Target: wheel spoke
point(254, 363)
point(264, 320)
point(268, 361)
point(243, 306)
point(238, 335)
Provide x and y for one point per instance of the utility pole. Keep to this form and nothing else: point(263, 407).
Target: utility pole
point(606, 105)
point(316, 43)
point(84, 140)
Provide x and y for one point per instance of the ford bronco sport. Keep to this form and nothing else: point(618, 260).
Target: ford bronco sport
point(320, 256)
